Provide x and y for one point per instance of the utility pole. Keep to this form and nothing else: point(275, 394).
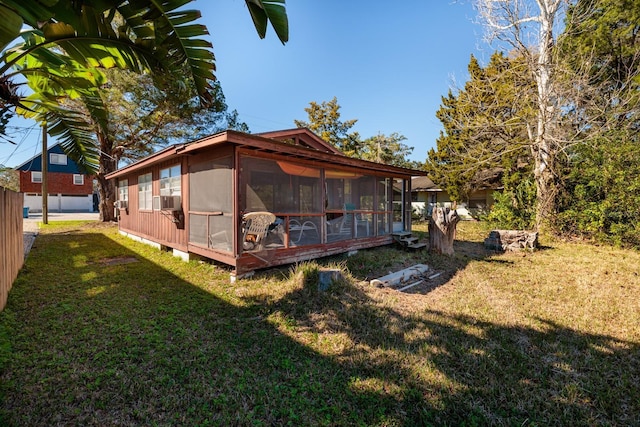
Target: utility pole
point(45, 192)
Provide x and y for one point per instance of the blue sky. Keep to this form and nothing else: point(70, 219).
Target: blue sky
point(388, 64)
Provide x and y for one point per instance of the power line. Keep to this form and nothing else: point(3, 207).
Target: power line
point(24, 137)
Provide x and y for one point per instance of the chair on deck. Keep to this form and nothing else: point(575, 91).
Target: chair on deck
point(256, 226)
point(351, 219)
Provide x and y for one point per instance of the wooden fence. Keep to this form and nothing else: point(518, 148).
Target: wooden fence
point(11, 240)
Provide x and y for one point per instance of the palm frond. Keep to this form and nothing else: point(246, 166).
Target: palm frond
point(274, 11)
point(176, 38)
point(132, 34)
point(76, 137)
point(10, 25)
point(32, 12)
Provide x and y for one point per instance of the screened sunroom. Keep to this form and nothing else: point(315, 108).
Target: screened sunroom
point(255, 201)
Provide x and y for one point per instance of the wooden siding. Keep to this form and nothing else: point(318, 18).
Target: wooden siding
point(157, 225)
point(11, 241)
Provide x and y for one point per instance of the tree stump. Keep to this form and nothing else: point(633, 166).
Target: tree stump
point(442, 230)
point(511, 240)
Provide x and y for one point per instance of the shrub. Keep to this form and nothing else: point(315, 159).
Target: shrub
point(514, 207)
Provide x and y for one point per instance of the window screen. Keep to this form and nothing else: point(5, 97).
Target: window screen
point(145, 192)
point(279, 186)
point(211, 186)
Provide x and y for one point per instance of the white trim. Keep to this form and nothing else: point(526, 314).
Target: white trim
point(145, 188)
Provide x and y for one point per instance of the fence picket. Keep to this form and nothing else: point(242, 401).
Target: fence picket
point(11, 240)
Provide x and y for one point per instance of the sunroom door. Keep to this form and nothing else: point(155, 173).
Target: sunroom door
point(211, 204)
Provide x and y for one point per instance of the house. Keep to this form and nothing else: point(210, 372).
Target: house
point(69, 189)
point(259, 200)
point(425, 194)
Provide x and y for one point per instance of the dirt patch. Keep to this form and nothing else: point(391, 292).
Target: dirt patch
point(117, 260)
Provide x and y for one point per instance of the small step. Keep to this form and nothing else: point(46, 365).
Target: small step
point(416, 246)
point(409, 240)
point(401, 234)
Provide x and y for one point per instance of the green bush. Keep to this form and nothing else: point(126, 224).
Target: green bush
point(514, 208)
point(602, 193)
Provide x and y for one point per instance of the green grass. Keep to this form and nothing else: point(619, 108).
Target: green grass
point(544, 338)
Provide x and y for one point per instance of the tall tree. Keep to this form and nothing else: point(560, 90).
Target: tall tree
point(527, 27)
point(601, 65)
point(143, 115)
point(9, 178)
point(601, 52)
point(485, 127)
point(324, 120)
point(388, 149)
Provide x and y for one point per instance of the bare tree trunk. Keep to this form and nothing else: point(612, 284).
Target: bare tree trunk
point(442, 230)
point(106, 192)
point(544, 150)
point(518, 22)
point(106, 188)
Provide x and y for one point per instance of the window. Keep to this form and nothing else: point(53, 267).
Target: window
point(57, 159)
point(170, 181)
point(36, 177)
point(144, 192)
point(123, 193)
point(78, 179)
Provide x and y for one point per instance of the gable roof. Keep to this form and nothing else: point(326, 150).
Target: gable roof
point(303, 137)
point(34, 164)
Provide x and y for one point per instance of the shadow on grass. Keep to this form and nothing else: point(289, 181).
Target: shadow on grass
point(456, 370)
point(141, 344)
point(377, 262)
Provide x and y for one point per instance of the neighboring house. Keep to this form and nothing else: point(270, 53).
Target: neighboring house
point(255, 201)
point(69, 189)
point(425, 195)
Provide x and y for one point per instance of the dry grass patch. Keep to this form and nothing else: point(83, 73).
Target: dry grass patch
point(544, 338)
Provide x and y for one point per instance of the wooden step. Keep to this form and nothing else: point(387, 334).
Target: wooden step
point(409, 240)
point(401, 234)
point(416, 246)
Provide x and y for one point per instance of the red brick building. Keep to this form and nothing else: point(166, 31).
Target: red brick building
point(69, 189)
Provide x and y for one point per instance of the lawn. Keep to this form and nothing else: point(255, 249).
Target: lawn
point(101, 330)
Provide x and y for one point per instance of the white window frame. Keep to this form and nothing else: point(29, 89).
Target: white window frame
point(171, 181)
point(57, 159)
point(77, 181)
point(145, 192)
point(36, 177)
point(123, 190)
